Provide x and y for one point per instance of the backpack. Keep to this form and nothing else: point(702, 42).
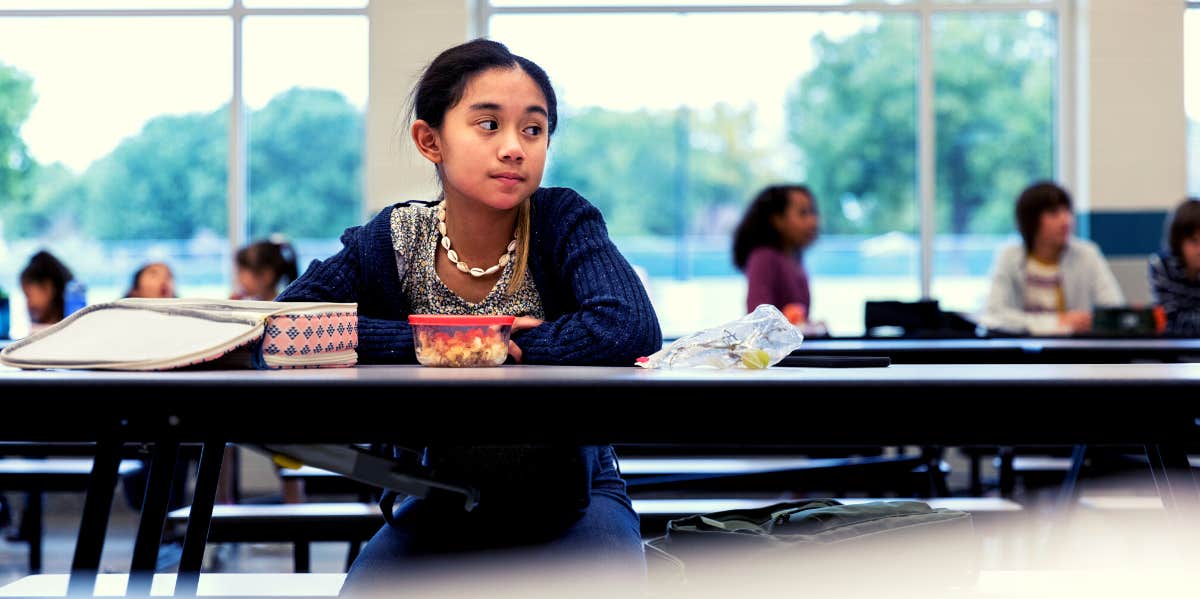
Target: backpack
point(816, 547)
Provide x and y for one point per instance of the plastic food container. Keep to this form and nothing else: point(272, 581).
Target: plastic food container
point(461, 341)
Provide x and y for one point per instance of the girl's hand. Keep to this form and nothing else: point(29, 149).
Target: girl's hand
point(796, 314)
point(1078, 321)
point(520, 324)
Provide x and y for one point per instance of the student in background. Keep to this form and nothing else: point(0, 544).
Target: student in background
point(154, 280)
point(1050, 283)
point(44, 283)
point(1175, 271)
point(264, 268)
point(769, 246)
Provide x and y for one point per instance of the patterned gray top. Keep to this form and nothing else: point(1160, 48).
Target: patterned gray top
point(415, 241)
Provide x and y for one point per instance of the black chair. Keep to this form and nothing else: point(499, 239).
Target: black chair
point(38, 476)
point(300, 524)
point(658, 470)
point(921, 319)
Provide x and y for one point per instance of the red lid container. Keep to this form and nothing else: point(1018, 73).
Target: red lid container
point(461, 341)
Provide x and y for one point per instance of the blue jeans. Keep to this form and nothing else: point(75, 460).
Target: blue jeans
point(432, 539)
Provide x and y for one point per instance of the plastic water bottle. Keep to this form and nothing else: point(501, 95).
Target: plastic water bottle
point(75, 297)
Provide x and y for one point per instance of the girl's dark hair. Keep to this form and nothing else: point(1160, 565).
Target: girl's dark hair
point(43, 267)
point(756, 228)
point(1037, 199)
point(1184, 222)
point(445, 79)
point(273, 256)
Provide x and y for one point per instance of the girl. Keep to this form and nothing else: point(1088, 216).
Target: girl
point(263, 268)
point(153, 280)
point(44, 283)
point(1175, 272)
point(496, 243)
point(769, 244)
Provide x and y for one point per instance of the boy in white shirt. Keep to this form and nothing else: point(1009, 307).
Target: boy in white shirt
point(1049, 284)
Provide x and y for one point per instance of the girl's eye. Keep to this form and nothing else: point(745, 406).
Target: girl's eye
point(489, 125)
point(534, 130)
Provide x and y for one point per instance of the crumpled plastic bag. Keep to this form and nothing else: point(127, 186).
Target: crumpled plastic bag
point(757, 340)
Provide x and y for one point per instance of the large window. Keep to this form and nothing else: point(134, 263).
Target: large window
point(688, 110)
point(127, 150)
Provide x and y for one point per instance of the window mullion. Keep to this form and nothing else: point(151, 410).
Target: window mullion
point(926, 148)
point(237, 184)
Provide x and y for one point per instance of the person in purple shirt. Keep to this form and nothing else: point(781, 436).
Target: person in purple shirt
point(769, 246)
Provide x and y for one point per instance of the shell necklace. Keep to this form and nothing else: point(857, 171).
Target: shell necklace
point(461, 265)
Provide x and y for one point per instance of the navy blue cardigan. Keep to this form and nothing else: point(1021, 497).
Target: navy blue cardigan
point(597, 312)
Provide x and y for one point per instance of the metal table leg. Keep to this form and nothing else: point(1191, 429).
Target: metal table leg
point(32, 528)
point(94, 524)
point(1007, 476)
point(1175, 482)
point(1064, 505)
point(1068, 493)
point(199, 518)
point(154, 517)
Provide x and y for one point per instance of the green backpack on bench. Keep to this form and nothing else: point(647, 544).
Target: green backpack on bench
point(817, 546)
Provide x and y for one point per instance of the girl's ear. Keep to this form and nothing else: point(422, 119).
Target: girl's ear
point(429, 143)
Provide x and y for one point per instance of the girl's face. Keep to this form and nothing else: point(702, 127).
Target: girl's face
point(1055, 226)
point(492, 145)
point(38, 295)
point(255, 285)
point(1190, 248)
point(155, 281)
point(798, 223)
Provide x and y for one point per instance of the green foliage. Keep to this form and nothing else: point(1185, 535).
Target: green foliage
point(16, 167)
point(851, 123)
point(640, 168)
point(995, 117)
point(620, 161)
point(305, 165)
point(54, 207)
point(854, 121)
point(170, 181)
point(167, 182)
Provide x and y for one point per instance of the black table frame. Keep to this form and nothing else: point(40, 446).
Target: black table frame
point(1010, 350)
point(898, 406)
